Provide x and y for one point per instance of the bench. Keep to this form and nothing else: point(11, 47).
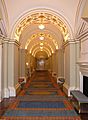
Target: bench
point(80, 101)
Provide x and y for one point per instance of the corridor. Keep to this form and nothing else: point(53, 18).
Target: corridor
point(41, 98)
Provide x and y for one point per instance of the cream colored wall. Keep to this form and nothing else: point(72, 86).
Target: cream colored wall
point(77, 66)
point(85, 11)
point(16, 64)
point(32, 63)
point(60, 64)
point(22, 62)
point(70, 67)
point(13, 64)
point(83, 57)
point(28, 67)
point(11, 57)
point(67, 65)
point(47, 64)
point(50, 64)
point(81, 37)
point(1, 85)
point(53, 63)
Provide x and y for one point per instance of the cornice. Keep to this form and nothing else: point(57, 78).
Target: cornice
point(83, 63)
point(82, 35)
point(10, 41)
point(68, 42)
point(13, 41)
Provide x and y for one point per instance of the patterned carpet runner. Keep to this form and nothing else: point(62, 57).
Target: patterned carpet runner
point(40, 99)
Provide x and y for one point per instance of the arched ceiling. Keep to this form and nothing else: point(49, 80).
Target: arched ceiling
point(41, 55)
point(54, 33)
point(56, 16)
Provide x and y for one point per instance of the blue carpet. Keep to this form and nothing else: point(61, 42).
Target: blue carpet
point(39, 113)
point(27, 104)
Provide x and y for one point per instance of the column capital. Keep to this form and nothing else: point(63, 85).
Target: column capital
point(70, 41)
point(8, 40)
point(1, 40)
point(14, 41)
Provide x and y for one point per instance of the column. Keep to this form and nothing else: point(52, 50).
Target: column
point(13, 73)
point(70, 67)
point(77, 66)
point(5, 68)
point(1, 69)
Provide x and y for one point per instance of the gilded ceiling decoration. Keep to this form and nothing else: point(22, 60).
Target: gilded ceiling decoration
point(46, 36)
point(41, 18)
point(37, 49)
point(41, 44)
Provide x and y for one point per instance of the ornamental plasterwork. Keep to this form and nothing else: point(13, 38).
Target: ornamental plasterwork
point(48, 36)
point(44, 43)
point(44, 18)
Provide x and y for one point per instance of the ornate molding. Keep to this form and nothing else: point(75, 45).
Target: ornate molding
point(68, 42)
point(82, 31)
point(83, 66)
point(83, 63)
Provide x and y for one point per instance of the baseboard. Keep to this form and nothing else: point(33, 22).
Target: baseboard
point(12, 91)
point(67, 89)
point(6, 93)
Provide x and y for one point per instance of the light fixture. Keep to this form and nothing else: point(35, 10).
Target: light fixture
point(26, 47)
point(41, 26)
point(41, 47)
point(56, 47)
point(41, 44)
point(27, 64)
point(41, 38)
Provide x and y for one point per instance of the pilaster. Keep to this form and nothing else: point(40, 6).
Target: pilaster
point(5, 68)
point(1, 69)
point(70, 66)
point(13, 46)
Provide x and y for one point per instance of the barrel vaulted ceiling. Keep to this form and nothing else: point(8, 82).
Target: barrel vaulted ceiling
point(56, 16)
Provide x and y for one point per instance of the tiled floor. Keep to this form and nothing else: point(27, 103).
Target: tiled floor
point(41, 95)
